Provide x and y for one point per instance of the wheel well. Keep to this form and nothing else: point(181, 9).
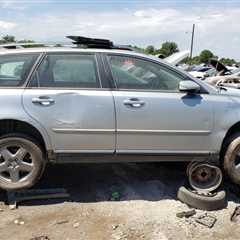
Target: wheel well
point(232, 130)
point(15, 126)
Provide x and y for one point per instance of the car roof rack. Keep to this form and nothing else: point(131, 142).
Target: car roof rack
point(86, 42)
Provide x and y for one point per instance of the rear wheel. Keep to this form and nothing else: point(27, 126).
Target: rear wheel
point(231, 162)
point(21, 162)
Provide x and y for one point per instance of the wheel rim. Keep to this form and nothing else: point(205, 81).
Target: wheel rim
point(204, 177)
point(235, 166)
point(16, 163)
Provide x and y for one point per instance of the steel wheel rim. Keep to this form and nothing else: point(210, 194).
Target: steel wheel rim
point(16, 163)
point(205, 177)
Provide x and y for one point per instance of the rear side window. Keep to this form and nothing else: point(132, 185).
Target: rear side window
point(14, 69)
point(67, 71)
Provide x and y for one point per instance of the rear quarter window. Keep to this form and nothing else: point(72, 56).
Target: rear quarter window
point(14, 69)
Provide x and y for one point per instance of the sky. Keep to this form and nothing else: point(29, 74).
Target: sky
point(135, 22)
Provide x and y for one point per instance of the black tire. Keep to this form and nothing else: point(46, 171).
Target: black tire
point(212, 202)
point(231, 159)
point(28, 160)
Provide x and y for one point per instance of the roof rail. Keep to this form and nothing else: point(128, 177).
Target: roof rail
point(78, 41)
point(86, 42)
point(14, 45)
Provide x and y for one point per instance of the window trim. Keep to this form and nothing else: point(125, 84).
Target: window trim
point(25, 81)
point(108, 66)
point(45, 54)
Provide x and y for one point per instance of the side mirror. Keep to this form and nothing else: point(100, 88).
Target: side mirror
point(189, 87)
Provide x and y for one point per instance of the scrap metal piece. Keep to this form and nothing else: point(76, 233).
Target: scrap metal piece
point(14, 197)
point(206, 220)
point(235, 217)
point(41, 238)
point(186, 214)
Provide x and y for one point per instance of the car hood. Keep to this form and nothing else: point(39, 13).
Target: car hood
point(177, 57)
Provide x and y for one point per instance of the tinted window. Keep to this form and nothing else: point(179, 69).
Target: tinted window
point(67, 71)
point(133, 73)
point(14, 69)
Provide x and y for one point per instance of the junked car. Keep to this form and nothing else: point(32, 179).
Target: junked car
point(104, 104)
point(224, 77)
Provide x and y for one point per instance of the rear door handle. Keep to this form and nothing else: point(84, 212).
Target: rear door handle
point(133, 102)
point(43, 100)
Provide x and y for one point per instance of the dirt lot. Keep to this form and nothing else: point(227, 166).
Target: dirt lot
point(145, 206)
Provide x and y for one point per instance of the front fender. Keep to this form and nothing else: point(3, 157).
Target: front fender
point(226, 115)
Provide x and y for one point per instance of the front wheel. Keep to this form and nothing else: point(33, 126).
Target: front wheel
point(21, 162)
point(231, 162)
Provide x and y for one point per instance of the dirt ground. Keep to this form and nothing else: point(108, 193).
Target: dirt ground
point(144, 206)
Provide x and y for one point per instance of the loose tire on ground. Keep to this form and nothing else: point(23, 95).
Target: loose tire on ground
point(22, 162)
point(210, 202)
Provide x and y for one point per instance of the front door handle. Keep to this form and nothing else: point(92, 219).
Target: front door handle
point(134, 102)
point(43, 100)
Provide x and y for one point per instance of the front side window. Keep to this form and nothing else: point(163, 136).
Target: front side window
point(67, 71)
point(134, 73)
point(14, 69)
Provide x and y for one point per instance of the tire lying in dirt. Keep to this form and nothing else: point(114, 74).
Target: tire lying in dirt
point(231, 163)
point(21, 162)
point(209, 202)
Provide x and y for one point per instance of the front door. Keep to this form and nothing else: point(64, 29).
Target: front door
point(66, 98)
point(152, 115)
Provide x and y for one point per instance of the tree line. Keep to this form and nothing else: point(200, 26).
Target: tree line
point(12, 39)
point(167, 48)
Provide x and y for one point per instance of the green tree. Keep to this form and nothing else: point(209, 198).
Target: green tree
point(25, 41)
point(205, 56)
point(168, 48)
point(58, 45)
point(227, 61)
point(8, 39)
point(194, 61)
point(136, 48)
point(150, 50)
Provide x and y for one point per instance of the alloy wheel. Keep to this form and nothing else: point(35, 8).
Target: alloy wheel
point(16, 164)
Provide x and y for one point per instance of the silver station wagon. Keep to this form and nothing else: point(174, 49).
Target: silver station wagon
point(105, 103)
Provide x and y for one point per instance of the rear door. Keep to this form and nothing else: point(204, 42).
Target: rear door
point(66, 97)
